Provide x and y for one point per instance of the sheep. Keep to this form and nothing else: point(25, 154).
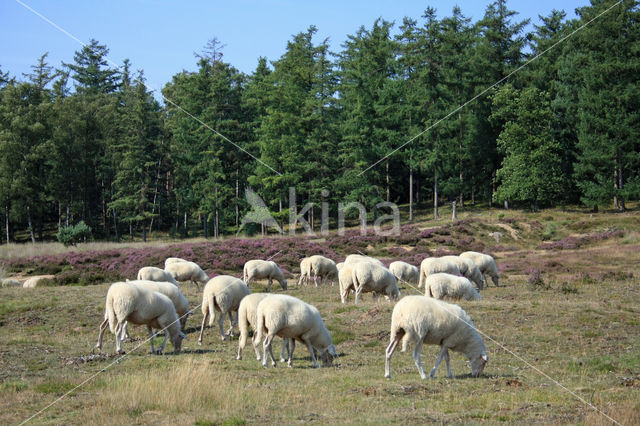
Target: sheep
point(442, 285)
point(403, 271)
point(433, 265)
point(135, 304)
point(187, 271)
point(261, 269)
point(355, 258)
point(151, 273)
point(170, 260)
point(345, 281)
point(485, 263)
point(370, 277)
point(305, 271)
point(421, 319)
point(223, 294)
point(247, 318)
point(290, 317)
point(324, 268)
point(10, 282)
point(467, 268)
point(172, 292)
point(339, 266)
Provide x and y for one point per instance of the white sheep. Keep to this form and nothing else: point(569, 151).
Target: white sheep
point(485, 263)
point(355, 258)
point(370, 277)
point(135, 304)
point(10, 282)
point(223, 294)
point(345, 281)
point(421, 319)
point(247, 318)
point(187, 271)
point(404, 271)
point(443, 285)
point(467, 268)
point(263, 269)
point(433, 265)
point(170, 260)
point(324, 268)
point(172, 292)
point(305, 271)
point(339, 266)
point(151, 273)
point(289, 317)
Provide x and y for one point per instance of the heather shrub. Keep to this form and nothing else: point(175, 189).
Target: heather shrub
point(568, 288)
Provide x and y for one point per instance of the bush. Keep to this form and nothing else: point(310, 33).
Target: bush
point(72, 235)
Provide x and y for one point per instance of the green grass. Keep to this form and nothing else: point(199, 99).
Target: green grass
point(585, 339)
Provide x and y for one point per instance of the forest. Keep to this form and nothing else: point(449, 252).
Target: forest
point(422, 112)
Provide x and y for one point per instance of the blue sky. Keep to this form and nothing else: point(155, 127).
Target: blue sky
point(161, 36)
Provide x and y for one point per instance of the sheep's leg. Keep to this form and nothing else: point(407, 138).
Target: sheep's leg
point(285, 345)
point(291, 349)
point(103, 327)
point(313, 354)
point(234, 323)
point(204, 322)
point(255, 346)
point(164, 342)
point(315, 278)
point(417, 360)
point(439, 360)
point(269, 285)
point(446, 360)
point(300, 280)
point(358, 291)
point(266, 346)
point(117, 334)
point(221, 325)
point(151, 336)
point(390, 350)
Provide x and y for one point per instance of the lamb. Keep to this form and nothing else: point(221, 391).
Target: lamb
point(467, 268)
point(170, 260)
point(305, 271)
point(404, 271)
point(261, 269)
point(138, 305)
point(442, 285)
point(433, 265)
point(290, 317)
point(151, 273)
point(324, 268)
point(355, 258)
point(485, 263)
point(247, 318)
point(223, 294)
point(369, 277)
point(187, 271)
point(421, 319)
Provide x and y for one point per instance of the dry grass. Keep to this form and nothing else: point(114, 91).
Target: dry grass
point(583, 331)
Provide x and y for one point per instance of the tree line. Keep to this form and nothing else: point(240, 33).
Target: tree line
point(404, 113)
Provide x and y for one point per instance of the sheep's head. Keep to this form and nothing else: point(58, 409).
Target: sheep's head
point(176, 341)
point(283, 283)
point(477, 365)
point(327, 356)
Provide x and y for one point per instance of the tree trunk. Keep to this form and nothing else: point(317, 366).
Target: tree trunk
point(387, 179)
point(144, 233)
point(186, 230)
point(216, 225)
point(454, 214)
point(33, 238)
point(237, 198)
point(66, 217)
point(115, 226)
point(435, 195)
point(204, 227)
point(59, 215)
point(6, 221)
point(410, 193)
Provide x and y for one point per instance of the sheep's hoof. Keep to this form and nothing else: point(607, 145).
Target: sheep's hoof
point(282, 360)
point(265, 365)
point(387, 376)
point(199, 342)
point(238, 357)
point(273, 363)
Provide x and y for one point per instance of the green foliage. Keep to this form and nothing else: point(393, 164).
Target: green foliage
point(74, 234)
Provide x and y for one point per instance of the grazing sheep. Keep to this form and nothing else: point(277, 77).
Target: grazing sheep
point(223, 294)
point(467, 268)
point(187, 271)
point(289, 317)
point(485, 263)
point(172, 292)
point(421, 319)
point(433, 265)
point(263, 269)
point(324, 268)
point(305, 271)
point(170, 260)
point(369, 277)
point(443, 285)
point(151, 273)
point(404, 271)
point(138, 305)
point(247, 318)
point(355, 258)
point(345, 281)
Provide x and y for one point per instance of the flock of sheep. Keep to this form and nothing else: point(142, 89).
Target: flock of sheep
point(154, 299)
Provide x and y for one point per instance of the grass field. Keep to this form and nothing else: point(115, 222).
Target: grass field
point(562, 334)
